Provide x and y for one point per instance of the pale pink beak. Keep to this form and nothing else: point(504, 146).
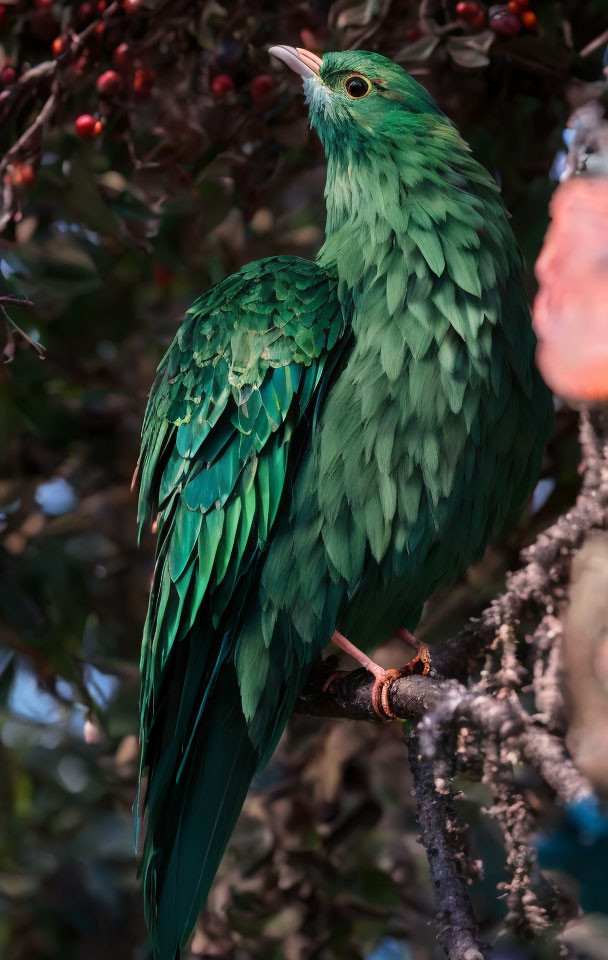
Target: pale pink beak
point(301, 61)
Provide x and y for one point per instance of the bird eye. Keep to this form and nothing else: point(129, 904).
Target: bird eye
point(357, 87)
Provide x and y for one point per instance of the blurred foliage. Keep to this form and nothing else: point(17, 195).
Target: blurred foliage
point(112, 238)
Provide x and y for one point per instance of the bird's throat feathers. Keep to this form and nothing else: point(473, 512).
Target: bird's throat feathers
point(403, 189)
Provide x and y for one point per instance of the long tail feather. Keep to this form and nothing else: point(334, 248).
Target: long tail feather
point(190, 816)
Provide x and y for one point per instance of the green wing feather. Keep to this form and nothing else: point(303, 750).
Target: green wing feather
point(222, 432)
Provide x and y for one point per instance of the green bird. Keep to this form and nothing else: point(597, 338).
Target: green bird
point(325, 443)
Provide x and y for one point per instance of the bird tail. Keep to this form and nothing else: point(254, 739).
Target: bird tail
point(197, 767)
point(199, 756)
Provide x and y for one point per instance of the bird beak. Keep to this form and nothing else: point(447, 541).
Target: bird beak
point(301, 61)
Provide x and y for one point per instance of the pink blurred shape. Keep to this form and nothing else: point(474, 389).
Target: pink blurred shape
point(570, 312)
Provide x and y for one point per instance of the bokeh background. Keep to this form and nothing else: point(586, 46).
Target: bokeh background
point(203, 161)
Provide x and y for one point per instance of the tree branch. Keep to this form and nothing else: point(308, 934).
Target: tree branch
point(442, 839)
point(350, 697)
point(470, 719)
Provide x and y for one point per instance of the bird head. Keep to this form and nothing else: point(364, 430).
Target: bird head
point(356, 95)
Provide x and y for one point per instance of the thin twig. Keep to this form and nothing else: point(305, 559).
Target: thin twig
point(35, 127)
point(594, 44)
point(14, 331)
point(16, 300)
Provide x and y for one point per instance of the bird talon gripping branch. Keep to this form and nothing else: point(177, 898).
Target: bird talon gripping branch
point(387, 683)
point(423, 656)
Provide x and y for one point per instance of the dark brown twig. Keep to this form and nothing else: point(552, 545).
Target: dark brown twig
point(442, 839)
point(13, 331)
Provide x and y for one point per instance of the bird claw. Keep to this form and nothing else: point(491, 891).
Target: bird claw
point(382, 685)
point(384, 679)
point(380, 694)
point(423, 656)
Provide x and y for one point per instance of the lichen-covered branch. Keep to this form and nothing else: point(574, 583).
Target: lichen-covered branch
point(470, 718)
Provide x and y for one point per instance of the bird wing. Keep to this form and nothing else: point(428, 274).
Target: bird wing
point(222, 431)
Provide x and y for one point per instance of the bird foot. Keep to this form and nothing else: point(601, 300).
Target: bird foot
point(382, 686)
point(380, 694)
point(423, 654)
point(384, 679)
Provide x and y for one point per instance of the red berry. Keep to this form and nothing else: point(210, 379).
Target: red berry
point(131, 6)
point(121, 58)
point(143, 82)
point(85, 12)
point(222, 84)
point(59, 46)
point(98, 128)
point(413, 34)
point(101, 6)
point(8, 75)
point(528, 18)
point(467, 11)
point(100, 29)
point(109, 84)
point(44, 26)
point(163, 274)
point(44, 4)
point(261, 88)
point(14, 176)
point(471, 13)
point(81, 64)
point(27, 174)
point(2, 12)
point(85, 126)
point(505, 23)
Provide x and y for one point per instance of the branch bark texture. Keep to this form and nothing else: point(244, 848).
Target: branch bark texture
point(469, 718)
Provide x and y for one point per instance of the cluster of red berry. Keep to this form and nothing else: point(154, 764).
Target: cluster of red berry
point(112, 84)
point(261, 87)
point(505, 19)
point(20, 175)
point(128, 76)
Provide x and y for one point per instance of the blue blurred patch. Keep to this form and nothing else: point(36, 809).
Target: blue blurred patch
point(568, 136)
point(390, 949)
point(542, 491)
point(56, 497)
point(558, 166)
point(28, 701)
point(101, 686)
point(579, 846)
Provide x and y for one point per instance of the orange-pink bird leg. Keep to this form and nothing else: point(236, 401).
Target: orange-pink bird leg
point(423, 654)
point(384, 679)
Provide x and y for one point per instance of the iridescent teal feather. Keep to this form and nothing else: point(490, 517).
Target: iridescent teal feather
point(324, 444)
